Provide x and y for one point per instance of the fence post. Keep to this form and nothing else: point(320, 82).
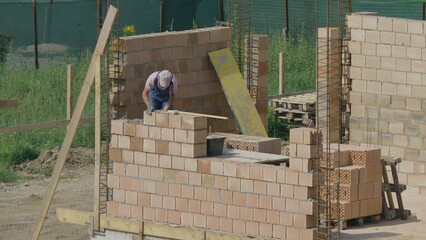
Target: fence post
point(35, 34)
point(161, 15)
point(423, 11)
point(281, 78)
point(70, 84)
point(286, 17)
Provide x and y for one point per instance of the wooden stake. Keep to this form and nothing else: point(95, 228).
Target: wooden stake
point(281, 80)
point(72, 128)
point(70, 86)
point(97, 177)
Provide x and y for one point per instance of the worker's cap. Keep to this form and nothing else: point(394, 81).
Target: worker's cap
point(165, 77)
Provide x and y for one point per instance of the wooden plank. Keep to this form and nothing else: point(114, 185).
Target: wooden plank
point(70, 85)
point(72, 128)
point(281, 77)
point(236, 93)
point(174, 232)
point(8, 104)
point(33, 126)
point(289, 94)
point(97, 174)
point(121, 224)
point(198, 114)
point(72, 216)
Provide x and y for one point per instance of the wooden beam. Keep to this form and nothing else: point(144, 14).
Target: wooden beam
point(289, 94)
point(8, 104)
point(72, 128)
point(97, 175)
point(70, 86)
point(197, 114)
point(281, 80)
point(144, 227)
point(33, 126)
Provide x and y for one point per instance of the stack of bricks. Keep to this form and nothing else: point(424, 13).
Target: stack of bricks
point(305, 149)
point(388, 99)
point(151, 183)
point(252, 143)
point(185, 54)
point(360, 178)
point(256, 73)
point(328, 82)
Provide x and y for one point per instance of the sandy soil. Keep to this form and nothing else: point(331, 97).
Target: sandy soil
point(20, 203)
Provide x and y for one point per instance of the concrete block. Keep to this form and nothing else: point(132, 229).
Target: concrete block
point(387, 37)
point(402, 39)
point(399, 77)
point(400, 25)
point(383, 50)
point(418, 40)
point(149, 120)
point(372, 36)
point(388, 63)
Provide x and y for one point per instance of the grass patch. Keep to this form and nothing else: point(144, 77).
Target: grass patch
point(41, 95)
point(300, 62)
point(6, 175)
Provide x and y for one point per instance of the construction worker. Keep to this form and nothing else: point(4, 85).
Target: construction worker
point(160, 90)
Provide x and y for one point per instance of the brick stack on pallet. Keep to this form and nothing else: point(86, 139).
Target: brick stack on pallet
point(360, 177)
point(298, 108)
point(252, 143)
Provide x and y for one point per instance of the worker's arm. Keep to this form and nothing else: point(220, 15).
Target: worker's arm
point(169, 103)
point(145, 97)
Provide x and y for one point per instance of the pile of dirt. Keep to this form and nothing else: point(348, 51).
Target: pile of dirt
point(45, 163)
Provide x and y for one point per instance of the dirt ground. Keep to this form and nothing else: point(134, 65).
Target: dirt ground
point(20, 203)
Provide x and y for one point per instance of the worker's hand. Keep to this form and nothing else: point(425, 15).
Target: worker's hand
point(150, 110)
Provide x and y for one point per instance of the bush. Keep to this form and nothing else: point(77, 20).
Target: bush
point(5, 46)
point(277, 128)
point(19, 154)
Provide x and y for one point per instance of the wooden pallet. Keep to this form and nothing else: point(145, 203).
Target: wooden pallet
point(359, 222)
point(294, 115)
point(303, 102)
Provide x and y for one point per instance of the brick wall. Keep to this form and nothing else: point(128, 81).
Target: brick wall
point(388, 96)
point(185, 54)
point(154, 183)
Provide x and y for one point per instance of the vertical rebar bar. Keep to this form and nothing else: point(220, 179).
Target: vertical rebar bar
point(35, 34)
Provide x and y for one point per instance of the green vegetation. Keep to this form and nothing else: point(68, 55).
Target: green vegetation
point(300, 62)
point(41, 95)
point(5, 45)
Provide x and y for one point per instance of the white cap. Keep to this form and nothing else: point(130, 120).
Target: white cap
point(165, 78)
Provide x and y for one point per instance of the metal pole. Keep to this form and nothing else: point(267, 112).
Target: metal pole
point(423, 11)
point(35, 34)
point(286, 16)
point(99, 20)
point(161, 15)
point(221, 13)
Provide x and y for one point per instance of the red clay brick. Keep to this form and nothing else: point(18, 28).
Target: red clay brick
point(279, 232)
point(230, 169)
point(178, 163)
point(129, 129)
point(139, 158)
point(220, 210)
point(243, 170)
point(216, 167)
point(221, 182)
point(144, 172)
point(112, 208)
point(239, 199)
point(238, 226)
point(144, 199)
point(252, 200)
point(149, 186)
point(265, 229)
point(256, 172)
point(117, 126)
point(141, 131)
point(115, 154)
point(174, 217)
point(187, 219)
point(278, 203)
point(174, 149)
point(207, 208)
point(182, 177)
point(119, 195)
point(161, 215)
point(225, 224)
point(259, 214)
point(269, 174)
point(252, 228)
point(259, 187)
point(193, 123)
point(124, 142)
point(213, 222)
point(126, 183)
point(149, 145)
point(199, 220)
point(273, 189)
point(127, 156)
point(195, 178)
point(204, 166)
point(148, 213)
point(191, 165)
point(187, 191)
point(124, 210)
